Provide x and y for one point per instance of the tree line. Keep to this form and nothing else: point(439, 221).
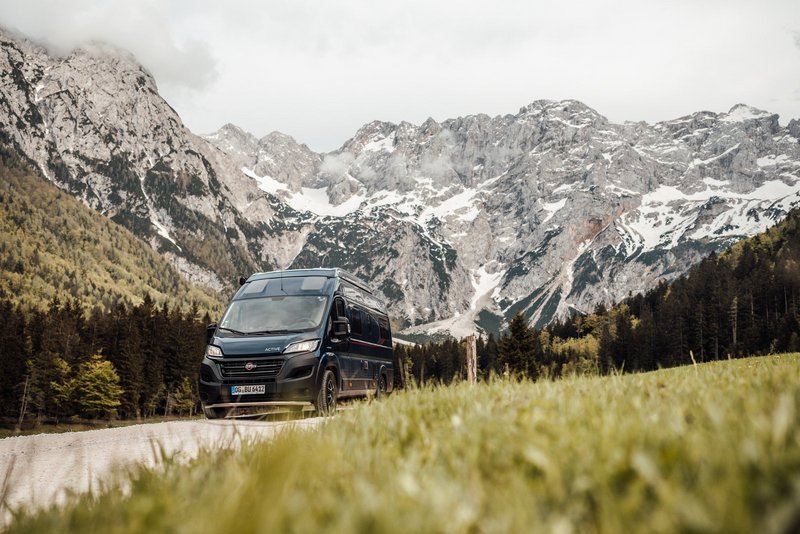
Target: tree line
point(133, 361)
point(140, 361)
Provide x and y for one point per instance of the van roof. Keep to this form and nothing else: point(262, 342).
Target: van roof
point(327, 272)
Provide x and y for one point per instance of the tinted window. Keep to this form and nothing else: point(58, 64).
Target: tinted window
point(355, 321)
point(362, 297)
point(373, 329)
point(384, 328)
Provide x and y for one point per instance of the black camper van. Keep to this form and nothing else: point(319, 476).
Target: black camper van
point(297, 338)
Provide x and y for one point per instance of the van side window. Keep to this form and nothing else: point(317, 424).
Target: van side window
point(355, 321)
point(373, 329)
point(384, 326)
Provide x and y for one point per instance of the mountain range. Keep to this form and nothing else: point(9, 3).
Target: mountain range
point(457, 224)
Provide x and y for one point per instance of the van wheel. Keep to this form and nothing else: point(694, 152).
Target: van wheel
point(326, 398)
point(380, 392)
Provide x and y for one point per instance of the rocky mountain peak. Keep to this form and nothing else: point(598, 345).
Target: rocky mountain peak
point(430, 126)
point(794, 129)
point(101, 56)
point(740, 112)
point(239, 144)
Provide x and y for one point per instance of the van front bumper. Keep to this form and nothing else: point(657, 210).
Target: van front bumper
point(291, 381)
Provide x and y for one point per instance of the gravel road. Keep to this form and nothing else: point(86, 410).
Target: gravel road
point(42, 469)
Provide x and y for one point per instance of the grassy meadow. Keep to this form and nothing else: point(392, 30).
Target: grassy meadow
point(713, 448)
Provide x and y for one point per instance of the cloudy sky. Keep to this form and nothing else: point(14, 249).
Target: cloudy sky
point(318, 70)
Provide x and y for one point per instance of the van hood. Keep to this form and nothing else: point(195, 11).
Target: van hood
point(253, 346)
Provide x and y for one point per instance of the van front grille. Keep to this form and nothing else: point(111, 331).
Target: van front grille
point(261, 369)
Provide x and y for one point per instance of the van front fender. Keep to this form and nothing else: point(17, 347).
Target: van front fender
point(330, 360)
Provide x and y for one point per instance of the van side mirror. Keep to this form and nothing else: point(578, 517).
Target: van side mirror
point(210, 331)
point(341, 327)
point(242, 280)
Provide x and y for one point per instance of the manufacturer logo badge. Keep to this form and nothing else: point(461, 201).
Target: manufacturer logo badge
point(249, 366)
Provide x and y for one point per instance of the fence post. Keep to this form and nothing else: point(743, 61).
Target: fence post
point(472, 360)
point(24, 404)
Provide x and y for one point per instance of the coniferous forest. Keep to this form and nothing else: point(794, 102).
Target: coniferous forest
point(130, 362)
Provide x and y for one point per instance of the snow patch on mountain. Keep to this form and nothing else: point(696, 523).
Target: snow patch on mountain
point(771, 160)
point(310, 199)
point(385, 144)
point(552, 207)
point(661, 219)
point(742, 112)
point(162, 231)
point(484, 283)
point(460, 205)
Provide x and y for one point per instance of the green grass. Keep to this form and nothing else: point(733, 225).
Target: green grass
point(712, 448)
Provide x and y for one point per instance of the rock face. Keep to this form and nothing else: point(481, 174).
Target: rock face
point(550, 211)
point(553, 210)
point(94, 124)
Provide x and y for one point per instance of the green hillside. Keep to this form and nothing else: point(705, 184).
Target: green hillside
point(52, 246)
point(707, 448)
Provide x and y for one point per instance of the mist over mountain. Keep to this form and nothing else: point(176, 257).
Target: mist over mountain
point(550, 210)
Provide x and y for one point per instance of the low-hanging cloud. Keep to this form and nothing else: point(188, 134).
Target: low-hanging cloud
point(142, 28)
point(320, 70)
point(337, 165)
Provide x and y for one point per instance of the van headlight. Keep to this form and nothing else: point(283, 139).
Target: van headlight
point(212, 351)
point(302, 346)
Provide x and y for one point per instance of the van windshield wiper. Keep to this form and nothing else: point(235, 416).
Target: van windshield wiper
point(231, 330)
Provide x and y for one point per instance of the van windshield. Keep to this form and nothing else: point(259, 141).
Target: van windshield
point(275, 315)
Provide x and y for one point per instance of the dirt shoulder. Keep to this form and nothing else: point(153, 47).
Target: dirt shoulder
point(42, 469)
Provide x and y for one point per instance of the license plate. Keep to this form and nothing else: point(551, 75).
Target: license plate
point(248, 390)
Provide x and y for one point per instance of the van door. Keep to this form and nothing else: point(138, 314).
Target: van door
point(358, 347)
point(340, 346)
point(370, 367)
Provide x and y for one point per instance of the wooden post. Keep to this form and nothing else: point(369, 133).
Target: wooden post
point(472, 360)
point(24, 404)
point(166, 407)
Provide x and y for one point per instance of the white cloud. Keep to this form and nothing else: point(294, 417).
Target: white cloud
point(143, 27)
point(437, 166)
point(319, 70)
point(337, 165)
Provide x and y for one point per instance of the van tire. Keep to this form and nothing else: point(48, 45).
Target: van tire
point(380, 391)
point(328, 393)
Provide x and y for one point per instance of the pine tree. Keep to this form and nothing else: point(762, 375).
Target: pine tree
point(184, 400)
point(487, 356)
point(97, 391)
point(516, 348)
point(63, 388)
point(14, 351)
